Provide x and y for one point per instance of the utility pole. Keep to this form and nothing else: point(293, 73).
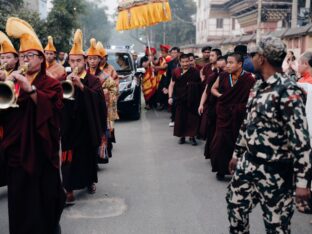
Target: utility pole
point(308, 4)
point(294, 14)
point(259, 21)
point(164, 33)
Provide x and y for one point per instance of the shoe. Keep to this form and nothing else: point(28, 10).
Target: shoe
point(171, 124)
point(193, 141)
point(220, 177)
point(92, 189)
point(70, 198)
point(147, 107)
point(182, 141)
point(160, 107)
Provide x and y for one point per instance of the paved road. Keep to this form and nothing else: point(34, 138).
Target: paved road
point(153, 186)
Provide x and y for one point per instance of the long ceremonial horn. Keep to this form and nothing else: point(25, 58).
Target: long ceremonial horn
point(8, 97)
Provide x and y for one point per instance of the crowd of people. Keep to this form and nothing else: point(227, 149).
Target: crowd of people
point(56, 124)
point(250, 109)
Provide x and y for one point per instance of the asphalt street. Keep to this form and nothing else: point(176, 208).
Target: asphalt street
point(153, 185)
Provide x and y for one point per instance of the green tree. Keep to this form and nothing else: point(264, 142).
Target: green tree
point(63, 20)
point(181, 30)
point(95, 23)
point(15, 8)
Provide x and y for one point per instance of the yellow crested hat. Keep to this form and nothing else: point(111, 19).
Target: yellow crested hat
point(93, 51)
point(77, 48)
point(6, 45)
point(101, 49)
point(20, 29)
point(50, 46)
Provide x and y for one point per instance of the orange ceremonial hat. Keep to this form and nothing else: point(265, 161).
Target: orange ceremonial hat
point(20, 29)
point(101, 49)
point(93, 51)
point(77, 48)
point(50, 46)
point(6, 45)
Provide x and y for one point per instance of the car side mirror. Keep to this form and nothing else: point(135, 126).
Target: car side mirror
point(140, 71)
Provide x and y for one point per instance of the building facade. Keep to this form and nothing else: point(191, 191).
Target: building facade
point(214, 24)
point(40, 6)
point(274, 14)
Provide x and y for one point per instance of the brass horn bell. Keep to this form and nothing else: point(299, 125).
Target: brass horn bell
point(68, 87)
point(8, 96)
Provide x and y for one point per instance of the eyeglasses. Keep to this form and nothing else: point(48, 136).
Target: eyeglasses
point(28, 56)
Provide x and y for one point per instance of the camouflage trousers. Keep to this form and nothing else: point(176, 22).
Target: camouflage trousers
point(252, 184)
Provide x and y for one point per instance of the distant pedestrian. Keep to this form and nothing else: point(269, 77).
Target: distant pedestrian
point(149, 84)
point(201, 62)
point(247, 66)
point(305, 68)
point(161, 69)
point(172, 65)
point(207, 104)
point(186, 84)
point(290, 65)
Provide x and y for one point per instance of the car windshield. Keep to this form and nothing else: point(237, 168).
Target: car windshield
point(120, 61)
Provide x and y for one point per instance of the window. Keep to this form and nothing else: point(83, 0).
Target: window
point(219, 23)
point(120, 61)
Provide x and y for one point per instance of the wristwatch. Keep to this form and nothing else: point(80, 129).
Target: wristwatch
point(33, 90)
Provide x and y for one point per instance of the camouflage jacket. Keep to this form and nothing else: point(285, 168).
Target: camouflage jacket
point(275, 128)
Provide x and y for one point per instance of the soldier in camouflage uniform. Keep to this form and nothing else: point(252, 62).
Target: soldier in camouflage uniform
point(273, 147)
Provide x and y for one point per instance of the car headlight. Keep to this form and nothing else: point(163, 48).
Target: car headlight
point(125, 86)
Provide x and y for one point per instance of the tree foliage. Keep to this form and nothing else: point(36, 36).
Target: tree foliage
point(15, 8)
point(95, 23)
point(181, 30)
point(64, 18)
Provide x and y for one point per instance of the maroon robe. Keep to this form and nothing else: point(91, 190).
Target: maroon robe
point(230, 110)
point(83, 125)
point(110, 134)
point(187, 94)
point(30, 147)
point(210, 112)
point(211, 76)
point(207, 71)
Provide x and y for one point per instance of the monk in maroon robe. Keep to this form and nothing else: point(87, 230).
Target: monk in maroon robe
point(82, 131)
point(186, 84)
point(31, 140)
point(232, 91)
point(93, 62)
point(30, 147)
point(210, 73)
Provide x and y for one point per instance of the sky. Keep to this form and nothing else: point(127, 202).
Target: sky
point(112, 5)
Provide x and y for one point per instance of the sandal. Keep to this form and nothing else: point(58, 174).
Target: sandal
point(92, 189)
point(304, 207)
point(70, 198)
